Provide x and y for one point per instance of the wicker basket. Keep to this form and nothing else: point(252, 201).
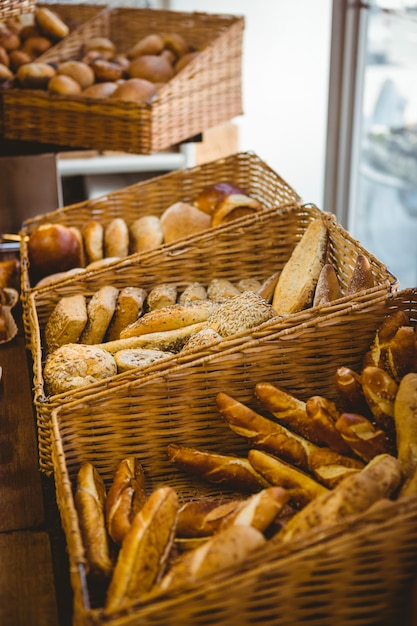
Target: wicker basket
point(14, 8)
point(153, 196)
point(358, 573)
point(232, 252)
point(204, 94)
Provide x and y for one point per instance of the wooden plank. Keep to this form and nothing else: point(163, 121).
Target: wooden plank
point(20, 483)
point(27, 592)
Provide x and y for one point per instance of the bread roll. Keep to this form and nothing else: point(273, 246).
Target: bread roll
point(139, 357)
point(366, 440)
point(100, 311)
point(221, 288)
point(182, 220)
point(355, 494)
point(297, 282)
point(78, 71)
point(161, 295)
point(116, 238)
point(106, 71)
point(53, 248)
point(152, 67)
point(211, 195)
point(76, 365)
point(149, 44)
point(194, 292)
point(145, 549)
point(89, 500)
point(176, 43)
point(66, 322)
point(35, 75)
point(328, 287)
point(227, 470)
point(172, 340)
point(93, 237)
point(380, 390)
point(64, 85)
point(36, 45)
point(53, 278)
point(204, 337)
point(249, 284)
point(361, 277)
point(126, 496)
point(202, 518)
point(50, 23)
point(234, 207)
point(101, 44)
point(135, 90)
point(146, 234)
point(267, 288)
point(100, 90)
point(129, 306)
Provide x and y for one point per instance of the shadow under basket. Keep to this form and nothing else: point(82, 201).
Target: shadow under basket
point(358, 572)
point(231, 252)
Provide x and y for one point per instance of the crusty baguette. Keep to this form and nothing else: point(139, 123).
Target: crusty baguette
point(145, 549)
point(126, 496)
point(328, 287)
point(228, 548)
point(172, 340)
point(324, 414)
point(363, 437)
point(297, 282)
point(258, 510)
point(227, 470)
point(361, 277)
point(348, 385)
point(66, 322)
point(380, 478)
point(405, 413)
point(288, 410)
point(89, 499)
point(402, 353)
point(377, 354)
point(301, 487)
point(129, 306)
point(380, 389)
point(328, 466)
point(169, 318)
point(100, 311)
point(202, 518)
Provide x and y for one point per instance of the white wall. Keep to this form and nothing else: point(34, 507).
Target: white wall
point(285, 84)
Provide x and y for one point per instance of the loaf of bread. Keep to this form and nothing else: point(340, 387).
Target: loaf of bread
point(324, 414)
point(361, 277)
point(380, 478)
point(66, 322)
point(76, 365)
point(328, 287)
point(171, 340)
point(327, 465)
point(139, 357)
point(297, 282)
point(89, 499)
point(258, 510)
point(146, 233)
point(182, 220)
point(348, 385)
point(380, 390)
point(202, 518)
point(93, 237)
point(100, 311)
point(229, 471)
point(239, 313)
point(233, 207)
point(161, 295)
point(116, 238)
point(366, 440)
point(144, 550)
point(405, 415)
point(129, 306)
point(302, 488)
point(125, 498)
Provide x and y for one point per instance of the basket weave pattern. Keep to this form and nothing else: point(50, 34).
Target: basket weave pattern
point(206, 93)
point(13, 8)
point(356, 573)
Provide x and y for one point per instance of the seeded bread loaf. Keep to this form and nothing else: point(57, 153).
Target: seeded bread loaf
point(66, 322)
point(100, 311)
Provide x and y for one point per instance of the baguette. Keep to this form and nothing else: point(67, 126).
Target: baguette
point(169, 318)
point(328, 466)
point(297, 282)
point(380, 389)
point(227, 549)
point(363, 437)
point(126, 496)
point(349, 388)
point(402, 353)
point(324, 414)
point(229, 471)
point(172, 340)
point(100, 311)
point(301, 487)
point(379, 479)
point(202, 518)
point(377, 354)
point(89, 499)
point(259, 510)
point(328, 287)
point(145, 549)
point(361, 277)
point(405, 415)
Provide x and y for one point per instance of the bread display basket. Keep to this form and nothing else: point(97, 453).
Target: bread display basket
point(15, 8)
point(205, 93)
point(228, 252)
point(359, 571)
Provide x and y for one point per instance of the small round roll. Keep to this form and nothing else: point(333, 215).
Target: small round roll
point(116, 238)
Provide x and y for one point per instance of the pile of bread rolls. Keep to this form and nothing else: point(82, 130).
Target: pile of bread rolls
point(22, 41)
point(311, 465)
point(101, 70)
point(71, 249)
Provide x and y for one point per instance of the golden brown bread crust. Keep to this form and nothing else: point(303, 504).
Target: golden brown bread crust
point(66, 322)
point(328, 287)
point(380, 389)
point(267, 288)
point(379, 479)
point(227, 470)
point(146, 233)
point(233, 207)
point(126, 496)
point(402, 353)
point(297, 282)
point(361, 277)
point(328, 466)
point(145, 549)
point(116, 238)
point(258, 510)
point(202, 518)
point(210, 196)
point(129, 306)
point(100, 311)
point(90, 496)
point(93, 236)
point(349, 387)
point(182, 220)
point(301, 487)
point(405, 415)
point(363, 437)
point(324, 414)
point(377, 353)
